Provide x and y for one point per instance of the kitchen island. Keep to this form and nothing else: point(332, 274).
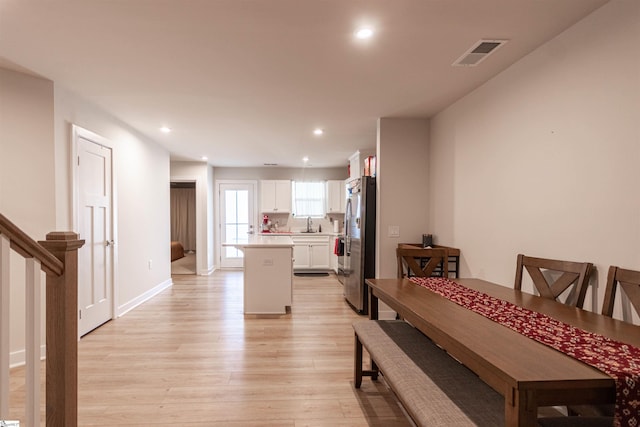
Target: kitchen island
point(268, 273)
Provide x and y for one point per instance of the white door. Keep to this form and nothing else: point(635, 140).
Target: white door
point(95, 258)
point(237, 217)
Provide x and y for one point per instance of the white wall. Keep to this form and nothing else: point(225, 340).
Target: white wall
point(141, 169)
point(26, 147)
point(27, 190)
point(543, 159)
point(403, 197)
point(35, 186)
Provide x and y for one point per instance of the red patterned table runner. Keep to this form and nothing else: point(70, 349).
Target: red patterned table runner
point(619, 360)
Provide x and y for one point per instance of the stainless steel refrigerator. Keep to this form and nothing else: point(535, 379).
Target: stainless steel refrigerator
point(359, 241)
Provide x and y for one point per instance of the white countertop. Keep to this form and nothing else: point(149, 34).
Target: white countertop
point(279, 240)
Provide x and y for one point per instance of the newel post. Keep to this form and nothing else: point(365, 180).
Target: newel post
point(62, 332)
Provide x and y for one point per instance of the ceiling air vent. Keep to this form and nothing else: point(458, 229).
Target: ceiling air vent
point(478, 53)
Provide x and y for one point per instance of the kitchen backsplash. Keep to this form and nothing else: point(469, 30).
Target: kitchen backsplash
point(287, 222)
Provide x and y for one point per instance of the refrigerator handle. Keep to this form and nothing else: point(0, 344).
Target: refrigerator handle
point(347, 228)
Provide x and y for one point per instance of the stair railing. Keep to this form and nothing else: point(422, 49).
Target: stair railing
point(57, 256)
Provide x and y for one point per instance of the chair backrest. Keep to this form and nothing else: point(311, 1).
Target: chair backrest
point(422, 262)
point(629, 281)
point(574, 274)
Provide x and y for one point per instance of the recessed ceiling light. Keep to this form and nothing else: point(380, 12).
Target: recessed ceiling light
point(318, 131)
point(305, 159)
point(165, 129)
point(205, 158)
point(364, 33)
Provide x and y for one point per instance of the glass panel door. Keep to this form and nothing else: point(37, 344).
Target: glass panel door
point(236, 219)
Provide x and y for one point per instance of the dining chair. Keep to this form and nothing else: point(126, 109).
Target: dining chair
point(574, 275)
point(601, 415)
point(422, 262)
point(629, 282)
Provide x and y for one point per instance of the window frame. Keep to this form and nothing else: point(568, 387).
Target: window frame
point(310, 197)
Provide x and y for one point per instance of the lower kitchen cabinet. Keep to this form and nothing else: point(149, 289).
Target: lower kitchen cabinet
point(311, 252)
point(301, 255)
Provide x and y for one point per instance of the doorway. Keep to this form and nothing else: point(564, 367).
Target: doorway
point(183, 227)
point(94, 220)
point(237, 219)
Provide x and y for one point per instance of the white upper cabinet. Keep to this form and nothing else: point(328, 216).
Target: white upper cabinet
point(336, 199)
point(356, 163)
point(275, 196)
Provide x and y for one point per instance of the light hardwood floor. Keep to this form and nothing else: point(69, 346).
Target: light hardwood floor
point(189, 357)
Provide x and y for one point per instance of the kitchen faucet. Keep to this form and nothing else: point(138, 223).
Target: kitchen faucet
point(309, 222)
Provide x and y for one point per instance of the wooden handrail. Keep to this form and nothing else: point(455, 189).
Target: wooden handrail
point(29, 248)
point(57, 256)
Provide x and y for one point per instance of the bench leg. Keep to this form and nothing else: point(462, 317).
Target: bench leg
point(374, 370)
point(358, 372)
point(358, 363)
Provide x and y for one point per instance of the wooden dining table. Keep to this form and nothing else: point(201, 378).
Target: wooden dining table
point(527, 373)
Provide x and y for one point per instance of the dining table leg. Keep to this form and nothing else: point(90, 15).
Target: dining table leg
point(373, 305)
point(521, 410)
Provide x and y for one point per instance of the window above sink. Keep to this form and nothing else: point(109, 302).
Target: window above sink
point(308, 199)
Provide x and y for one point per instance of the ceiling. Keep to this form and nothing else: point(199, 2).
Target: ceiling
point(245, 82)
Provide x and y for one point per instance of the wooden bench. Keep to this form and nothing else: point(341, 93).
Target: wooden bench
point(434, 388)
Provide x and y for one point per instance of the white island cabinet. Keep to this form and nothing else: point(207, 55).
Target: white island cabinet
point(268, 273)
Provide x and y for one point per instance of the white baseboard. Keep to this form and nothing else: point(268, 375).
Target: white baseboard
point(125, 308)
point(385, 312)
point(18, 358)
point(205, 272)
